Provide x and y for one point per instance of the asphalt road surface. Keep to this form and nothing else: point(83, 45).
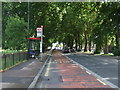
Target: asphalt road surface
point(104, 66)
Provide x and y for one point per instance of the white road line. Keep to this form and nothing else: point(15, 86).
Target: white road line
point(25, 68)
point(31, 63)
point(88, 72)
point(82, 67)
point(101, 82)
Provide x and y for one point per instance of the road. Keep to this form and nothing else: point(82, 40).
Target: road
point(62, 72)
point(104, 66)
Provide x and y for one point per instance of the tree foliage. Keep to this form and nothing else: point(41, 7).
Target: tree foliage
point(81, 24)
point(15, 33)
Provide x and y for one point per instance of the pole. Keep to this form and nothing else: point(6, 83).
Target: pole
point(28, 13)
point(41, 42)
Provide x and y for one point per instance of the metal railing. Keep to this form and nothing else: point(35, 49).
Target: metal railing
point(9, 60)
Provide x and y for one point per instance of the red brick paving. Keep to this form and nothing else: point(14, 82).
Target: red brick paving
point(73, 76)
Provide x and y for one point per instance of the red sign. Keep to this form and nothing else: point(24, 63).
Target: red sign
point(41, 26)
point(39, 29)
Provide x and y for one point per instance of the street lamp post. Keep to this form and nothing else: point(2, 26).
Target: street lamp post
point(28, 13)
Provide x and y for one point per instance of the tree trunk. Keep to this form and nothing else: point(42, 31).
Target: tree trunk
point(106, 45)
point(98, 49)
point(79, 43)
point(71, 44)
point(90, 45)
point(86, 40)
point(63, 45)
point(80, 46)
point(117, 41)
point(76, 44)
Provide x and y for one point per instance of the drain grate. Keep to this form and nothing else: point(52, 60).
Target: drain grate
point(60, 78)
point(52, 79)
point(46, 78)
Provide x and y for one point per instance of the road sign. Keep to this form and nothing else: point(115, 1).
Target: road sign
point(41, 26)
point(39, 32)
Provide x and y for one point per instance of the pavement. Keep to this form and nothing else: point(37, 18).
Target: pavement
point(104, 66)
point(21, 75)
point(64, 73)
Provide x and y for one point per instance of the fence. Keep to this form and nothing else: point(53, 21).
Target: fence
point(8, 60)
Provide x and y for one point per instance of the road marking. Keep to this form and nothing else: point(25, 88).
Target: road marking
point(88, 72)
point(48, 69)
point(82, 67)
point(31, 63)
point(25, 68)
point(101, 82)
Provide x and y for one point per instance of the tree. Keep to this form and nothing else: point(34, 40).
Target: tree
point(73, 24)
point(16, 33)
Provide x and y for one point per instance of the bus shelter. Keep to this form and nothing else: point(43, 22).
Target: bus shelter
point(34, 47)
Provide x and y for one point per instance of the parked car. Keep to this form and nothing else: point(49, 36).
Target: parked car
point(66, 50)
point(72, 50)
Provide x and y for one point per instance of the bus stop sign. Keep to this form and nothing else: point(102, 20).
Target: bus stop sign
point(39, 32)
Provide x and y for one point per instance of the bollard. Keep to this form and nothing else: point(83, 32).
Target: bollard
point(13, 59)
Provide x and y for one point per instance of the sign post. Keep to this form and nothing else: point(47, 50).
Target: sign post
point(39, 34)
point(41, 38)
